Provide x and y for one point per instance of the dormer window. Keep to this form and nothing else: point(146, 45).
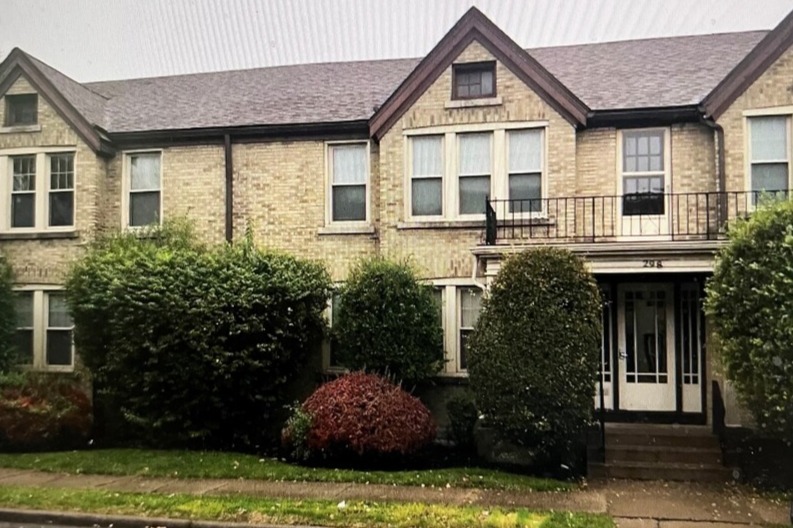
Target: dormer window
point(21, 110)
point(474, 80)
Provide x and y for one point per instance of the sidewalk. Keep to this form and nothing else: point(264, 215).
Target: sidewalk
point(633, 504)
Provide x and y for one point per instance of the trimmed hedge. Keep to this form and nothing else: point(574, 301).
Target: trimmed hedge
point(8, 354)
point(43, 412)
point(363, 415)
point(388, 322)
point(534, 353)
point(193, 346)
point(750, 302)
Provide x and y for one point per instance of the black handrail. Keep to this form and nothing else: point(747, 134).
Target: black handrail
point(608, 218)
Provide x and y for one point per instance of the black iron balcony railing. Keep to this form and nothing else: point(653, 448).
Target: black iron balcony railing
point(651, 216)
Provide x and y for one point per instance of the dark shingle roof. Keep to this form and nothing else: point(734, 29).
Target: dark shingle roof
point(660, 72)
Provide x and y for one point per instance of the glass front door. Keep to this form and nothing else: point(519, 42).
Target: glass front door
point(646, 347)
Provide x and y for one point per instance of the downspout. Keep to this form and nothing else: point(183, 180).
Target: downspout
point(229, 188)
point(721, 176)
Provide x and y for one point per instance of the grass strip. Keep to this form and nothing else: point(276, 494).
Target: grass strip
point(196, 464)
point(290, 512)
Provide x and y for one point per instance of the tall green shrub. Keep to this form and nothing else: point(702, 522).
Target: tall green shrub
point(7, 318)
point(534, 353)
point(195, 346)
point(388, 322)
point(750, 303)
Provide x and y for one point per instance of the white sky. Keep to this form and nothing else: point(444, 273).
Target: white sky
point(115, 39)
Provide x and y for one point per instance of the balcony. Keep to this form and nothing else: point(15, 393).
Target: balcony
point(627, 218)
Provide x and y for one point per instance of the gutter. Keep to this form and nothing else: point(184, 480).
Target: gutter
point(643, 117)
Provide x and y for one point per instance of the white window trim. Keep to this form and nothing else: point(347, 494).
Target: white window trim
point(451, 316)
point(348, 224)
point(41, 219)
point(326, 366)
point(666, 173)
point(126, 179)
point(786, 112)
point(499, 162)
point(41, 325)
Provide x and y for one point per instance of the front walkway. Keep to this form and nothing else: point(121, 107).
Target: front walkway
point(636, 504)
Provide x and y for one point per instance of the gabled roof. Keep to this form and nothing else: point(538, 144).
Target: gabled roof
point(76, 104)
point(750, 68)
point(475, 26)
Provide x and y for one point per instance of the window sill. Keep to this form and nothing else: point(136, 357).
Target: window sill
point(473, 103)
point(346, 230)
point(20, 129)
point(451, 378)
point(443, 224)
point(40, 235)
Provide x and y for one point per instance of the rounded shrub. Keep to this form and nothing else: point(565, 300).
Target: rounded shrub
point(7, 318)
point(366, 416)
point(40, 411)
point(388, 322)
point(195, 346)
point(534, 353)
point(750, 303)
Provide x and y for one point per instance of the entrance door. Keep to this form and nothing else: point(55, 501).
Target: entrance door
point(646, 347)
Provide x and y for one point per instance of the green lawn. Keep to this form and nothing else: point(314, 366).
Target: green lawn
point(281, 511)
point(195, 464)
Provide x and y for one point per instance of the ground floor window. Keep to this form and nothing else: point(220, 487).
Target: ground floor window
point(44, 338)
point(460, 305)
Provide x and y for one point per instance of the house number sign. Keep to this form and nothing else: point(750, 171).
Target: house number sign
point(653, 264)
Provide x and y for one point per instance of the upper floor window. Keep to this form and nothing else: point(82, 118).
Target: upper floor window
point(474, 166)
point(525, 170)
point(144, 192)
point(473, 80)
point(21, 110)
point(44, 330)
point(39, 191)
point(426, 183)
point(452, 174)
point(349, 177)
point(769, 154)
point(643, 172)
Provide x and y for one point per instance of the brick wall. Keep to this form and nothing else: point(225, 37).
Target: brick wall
point(45, 261)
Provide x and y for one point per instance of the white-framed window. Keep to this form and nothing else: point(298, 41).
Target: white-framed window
point(348, 183)
point(460, 303)
point(769, 155)
point(452, 169)
point(475, 167)
point(330, 357)
point(426, 179)
point(643, 171)
point(142, 189)
point(44, 337)
point(37, 189)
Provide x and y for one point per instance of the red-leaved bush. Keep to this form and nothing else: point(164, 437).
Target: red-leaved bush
point(366, 414)
point(43, 412)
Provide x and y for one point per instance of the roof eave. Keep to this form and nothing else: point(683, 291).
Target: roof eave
point(746, 72)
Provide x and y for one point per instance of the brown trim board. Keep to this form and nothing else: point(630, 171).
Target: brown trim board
point(474, 25)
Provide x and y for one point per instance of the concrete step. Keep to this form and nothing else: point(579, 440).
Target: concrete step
point(660, 471)
point(672, 436)
point(664, 454)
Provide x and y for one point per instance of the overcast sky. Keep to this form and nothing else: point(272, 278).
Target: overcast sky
point(115, 39)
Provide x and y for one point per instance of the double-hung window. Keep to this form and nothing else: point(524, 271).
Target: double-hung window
point(145, 189)
point(769, 158)
point(426, 183)
point(349, 176)
point(470, 304)
point(643, 172)
point(23, 191)
point(525, 170)
point(44, 330)
point(475, 168)
point(38, 190)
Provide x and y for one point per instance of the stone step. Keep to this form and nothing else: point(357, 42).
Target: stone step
point(660, 471)
point(660, 435)
point(665, 454)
